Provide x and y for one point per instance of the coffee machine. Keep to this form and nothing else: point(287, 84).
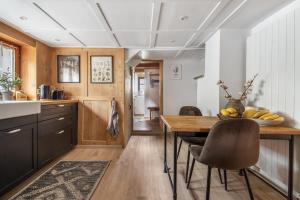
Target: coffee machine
point(57, 94)
point(45, 92)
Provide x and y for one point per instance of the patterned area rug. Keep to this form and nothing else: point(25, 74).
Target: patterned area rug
point(67, 180)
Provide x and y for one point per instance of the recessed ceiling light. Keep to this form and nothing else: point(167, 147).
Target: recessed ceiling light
point(24, 18)
point(57, 40)
point(183, 18)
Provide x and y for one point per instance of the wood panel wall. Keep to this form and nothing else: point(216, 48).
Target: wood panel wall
point(128, 119)
point(43, 64)
point(273, 51)
point(35, 68)
point(28, 71)
point(95, 99)
point(39, 66)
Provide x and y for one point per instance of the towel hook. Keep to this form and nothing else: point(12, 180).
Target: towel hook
point(113, 99)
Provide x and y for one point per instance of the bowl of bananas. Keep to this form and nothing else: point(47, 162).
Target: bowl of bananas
point(263, 117)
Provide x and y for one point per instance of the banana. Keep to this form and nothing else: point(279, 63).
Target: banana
point(272, 117)
point(249, 113)
point(279, 119)
point(260, 113)
point(234, 115)
point(224, 112)
point(231, 110)
point(266, 115)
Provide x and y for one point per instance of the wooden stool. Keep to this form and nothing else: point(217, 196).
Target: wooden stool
point(151, 109)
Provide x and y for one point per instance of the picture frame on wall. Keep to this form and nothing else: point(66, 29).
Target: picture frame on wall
point(175, 72)
point(101, 69)
point(68, 68)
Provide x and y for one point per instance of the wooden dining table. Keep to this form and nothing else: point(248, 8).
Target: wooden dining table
point(201, 125)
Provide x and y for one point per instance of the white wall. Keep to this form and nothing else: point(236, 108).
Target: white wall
point(207, 91)
point(273, 51)
point(224, 60)
point(232, 62)
point(178, 93)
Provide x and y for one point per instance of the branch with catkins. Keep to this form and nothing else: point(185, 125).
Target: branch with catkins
point(248, 87)
point(222, 85)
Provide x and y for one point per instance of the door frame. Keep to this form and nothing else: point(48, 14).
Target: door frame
point(161, 96)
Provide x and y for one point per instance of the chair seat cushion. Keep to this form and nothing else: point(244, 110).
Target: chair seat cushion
point(194, 140)
point(196, 151)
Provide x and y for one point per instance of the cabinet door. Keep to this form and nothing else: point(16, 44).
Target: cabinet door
point(94, 119)
point(53, 141)
point(63, 140)
point(18, 154)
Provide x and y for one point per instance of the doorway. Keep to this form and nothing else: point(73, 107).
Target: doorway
point(147, 97)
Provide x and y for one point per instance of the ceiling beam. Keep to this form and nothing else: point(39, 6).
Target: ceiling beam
point(101, 18)
point(172, 48)
point(200, 27)
point(232, 13)
point(61, 26)
point(156, 10)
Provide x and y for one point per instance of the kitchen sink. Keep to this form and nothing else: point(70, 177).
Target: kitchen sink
point(9, 109)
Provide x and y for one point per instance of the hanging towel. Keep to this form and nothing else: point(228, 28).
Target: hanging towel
point(113, 124)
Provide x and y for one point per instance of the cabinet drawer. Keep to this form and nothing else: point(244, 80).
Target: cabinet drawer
point(54, 124)
point(53, 144)
point(18, 155)
point(17, 121)
point(56, 110)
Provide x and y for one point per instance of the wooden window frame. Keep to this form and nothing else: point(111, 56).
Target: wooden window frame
point(17, 54)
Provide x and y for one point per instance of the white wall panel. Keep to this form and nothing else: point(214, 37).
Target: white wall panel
point(272, 48)
point(297, 89)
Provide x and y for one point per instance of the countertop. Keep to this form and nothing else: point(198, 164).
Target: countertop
point(51, 101)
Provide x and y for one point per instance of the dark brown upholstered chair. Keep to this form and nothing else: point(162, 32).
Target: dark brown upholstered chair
point(190, 111)
point(232, 144)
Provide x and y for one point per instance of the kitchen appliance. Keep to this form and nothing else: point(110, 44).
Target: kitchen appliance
point(45, 92)
point(57, 94)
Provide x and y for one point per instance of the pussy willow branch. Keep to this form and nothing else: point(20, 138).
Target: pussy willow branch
point(228, 95)
point(249, 85)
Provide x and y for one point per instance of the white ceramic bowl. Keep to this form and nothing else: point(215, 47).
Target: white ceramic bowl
point(268, 122)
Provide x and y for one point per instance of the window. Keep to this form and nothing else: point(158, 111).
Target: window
point(7, 58)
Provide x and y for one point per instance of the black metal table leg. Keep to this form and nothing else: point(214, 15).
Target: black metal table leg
point(291, 169)
point(165, 149)
point(175, 167)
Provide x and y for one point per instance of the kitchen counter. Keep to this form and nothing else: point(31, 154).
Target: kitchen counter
point(51, 101)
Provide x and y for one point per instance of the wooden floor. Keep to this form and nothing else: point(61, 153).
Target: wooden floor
point(136, 173)
point(141, 124)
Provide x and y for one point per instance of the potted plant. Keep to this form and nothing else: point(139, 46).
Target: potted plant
point(237, 104)
point(7, 84)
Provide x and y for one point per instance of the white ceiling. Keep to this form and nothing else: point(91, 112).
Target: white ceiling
point(173, 25)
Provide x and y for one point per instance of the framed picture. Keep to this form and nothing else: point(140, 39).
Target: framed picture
point(175, 71)
point(101, 69)
point(68, 69)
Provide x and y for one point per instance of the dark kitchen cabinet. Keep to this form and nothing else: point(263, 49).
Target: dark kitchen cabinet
point(18, 150)
point(57, 131)
point(27, 143)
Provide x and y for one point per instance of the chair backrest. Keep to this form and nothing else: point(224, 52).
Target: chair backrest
point(190, 111)
point(232, 144)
